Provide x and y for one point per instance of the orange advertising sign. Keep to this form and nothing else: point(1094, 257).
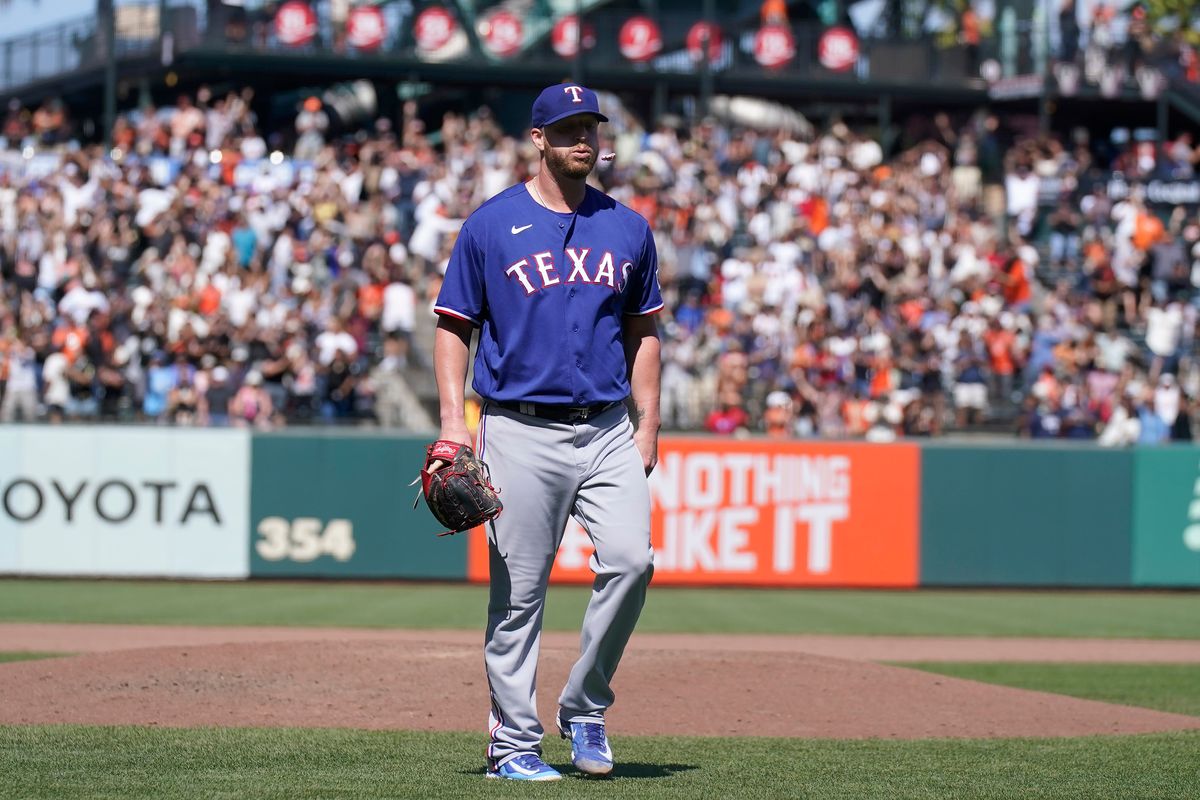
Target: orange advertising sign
point(770, 513)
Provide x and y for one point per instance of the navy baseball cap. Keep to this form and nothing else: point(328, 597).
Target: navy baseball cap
point(563, 100)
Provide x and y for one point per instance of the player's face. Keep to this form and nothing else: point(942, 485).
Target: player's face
point(570, 145)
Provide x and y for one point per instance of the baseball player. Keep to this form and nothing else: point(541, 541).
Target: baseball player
point(562, 282)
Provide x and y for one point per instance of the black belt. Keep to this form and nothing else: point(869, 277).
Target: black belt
point(556, 413)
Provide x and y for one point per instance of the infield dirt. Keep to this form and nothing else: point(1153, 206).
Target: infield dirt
point(792, 686)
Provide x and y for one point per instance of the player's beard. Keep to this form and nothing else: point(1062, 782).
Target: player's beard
point(563, 163)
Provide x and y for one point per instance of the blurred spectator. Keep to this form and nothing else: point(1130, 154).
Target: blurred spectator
point(341, 388)
point(335, 341)
point(311, 124)
point(1123, 427)
point(215, 398)
point(183, 403)
point(1021, 187)
point(57, 392)
point(160, 381)
point(730, 416)
point(251, 405)
point(388, 383)
point(1164, 331)
point(82, 404)
point(778, 419)
point(1152, 428)
point(970, 386)
point(1167, 399)
point(18, 369)
point(957, 282)
point(50, 124)
point(1001, 343)
point(1065, 226)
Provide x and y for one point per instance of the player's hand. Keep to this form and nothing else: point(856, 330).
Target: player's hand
point(646, 442)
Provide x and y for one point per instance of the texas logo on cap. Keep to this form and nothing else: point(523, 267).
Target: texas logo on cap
point(564, 100)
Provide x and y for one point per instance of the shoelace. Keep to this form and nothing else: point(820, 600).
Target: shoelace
point(593, 735)
point(529, 761)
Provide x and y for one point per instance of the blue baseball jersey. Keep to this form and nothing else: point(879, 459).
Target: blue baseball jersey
point(549, 291)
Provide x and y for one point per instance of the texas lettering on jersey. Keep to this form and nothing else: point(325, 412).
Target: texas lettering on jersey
point(550, 294)
point(538, 271)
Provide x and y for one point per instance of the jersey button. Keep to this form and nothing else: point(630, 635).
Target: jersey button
point(575, 328)
point(578, 363)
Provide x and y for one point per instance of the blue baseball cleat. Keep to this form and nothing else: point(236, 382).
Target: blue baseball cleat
point(525, 767)
point(590, 752)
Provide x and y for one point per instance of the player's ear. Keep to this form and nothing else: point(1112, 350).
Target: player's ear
point(538, 137)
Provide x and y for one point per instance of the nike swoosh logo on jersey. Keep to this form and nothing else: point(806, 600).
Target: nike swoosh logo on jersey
point(517, 230)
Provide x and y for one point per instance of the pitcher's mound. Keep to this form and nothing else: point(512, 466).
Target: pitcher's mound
point(441, 686)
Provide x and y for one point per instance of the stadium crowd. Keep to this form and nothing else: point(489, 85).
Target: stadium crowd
point(207, 271)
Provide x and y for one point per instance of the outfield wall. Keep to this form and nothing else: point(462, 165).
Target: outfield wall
point(770, 514)
point(1034, 516)
point(231, 504)
point(341, 506)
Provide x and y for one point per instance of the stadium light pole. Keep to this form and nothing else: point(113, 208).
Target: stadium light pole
point(659, 103)
point(1042, 47)
point(706, 77)
point(106, 10)
point(885, 123)
point(577, 62)
point(1162, 113)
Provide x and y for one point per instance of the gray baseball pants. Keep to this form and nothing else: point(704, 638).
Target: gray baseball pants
point(547, 471)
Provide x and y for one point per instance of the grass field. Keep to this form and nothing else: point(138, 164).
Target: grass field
point(165, 764)
point(126, 762)
point(424, 606)
point(26, 656)
point(1166, 687)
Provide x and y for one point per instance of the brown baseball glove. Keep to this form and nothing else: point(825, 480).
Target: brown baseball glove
point(457, 487)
